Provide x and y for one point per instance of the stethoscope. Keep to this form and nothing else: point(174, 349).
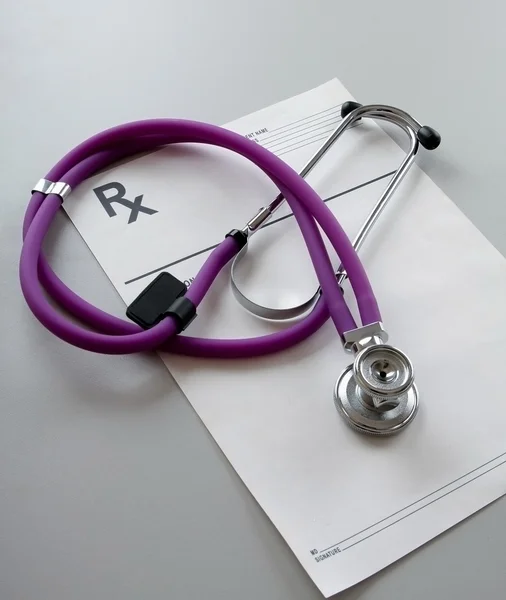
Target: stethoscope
point(375, 394)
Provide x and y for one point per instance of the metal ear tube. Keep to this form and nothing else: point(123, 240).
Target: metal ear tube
point(351, 113)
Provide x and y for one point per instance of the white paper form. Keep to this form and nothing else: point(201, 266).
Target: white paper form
point(346, 504)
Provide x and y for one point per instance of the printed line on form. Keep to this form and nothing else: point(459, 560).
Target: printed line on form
point(273, 222)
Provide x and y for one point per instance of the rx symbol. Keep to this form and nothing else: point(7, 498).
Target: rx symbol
point(107, 199)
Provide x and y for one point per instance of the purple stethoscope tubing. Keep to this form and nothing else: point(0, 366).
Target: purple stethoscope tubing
point(108, 334)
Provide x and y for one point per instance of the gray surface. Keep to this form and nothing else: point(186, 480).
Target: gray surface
point(110, 487)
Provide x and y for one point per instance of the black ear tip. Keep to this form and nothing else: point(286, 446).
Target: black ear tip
point(348, 107)
point(428, 137)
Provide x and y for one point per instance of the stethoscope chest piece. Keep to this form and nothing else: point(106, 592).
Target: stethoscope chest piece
point(377, 394)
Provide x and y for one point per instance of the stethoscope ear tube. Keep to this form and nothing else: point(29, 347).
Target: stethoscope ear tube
point(351, 112)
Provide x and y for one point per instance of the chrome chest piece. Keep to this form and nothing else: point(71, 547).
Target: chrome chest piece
point(376, 394)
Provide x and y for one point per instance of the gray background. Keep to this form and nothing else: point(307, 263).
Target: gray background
point(110, 487)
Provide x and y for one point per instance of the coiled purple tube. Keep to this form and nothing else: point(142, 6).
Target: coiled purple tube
point(106, 333)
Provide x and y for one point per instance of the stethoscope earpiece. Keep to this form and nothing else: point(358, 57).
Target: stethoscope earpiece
point(348, 107)
point(428, 137)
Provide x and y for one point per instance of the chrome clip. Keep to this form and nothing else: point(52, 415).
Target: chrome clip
point(43, 186)
point(62, 189)
point(59, 188)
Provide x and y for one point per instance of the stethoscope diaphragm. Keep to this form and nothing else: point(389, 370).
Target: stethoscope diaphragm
point(377, 394)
